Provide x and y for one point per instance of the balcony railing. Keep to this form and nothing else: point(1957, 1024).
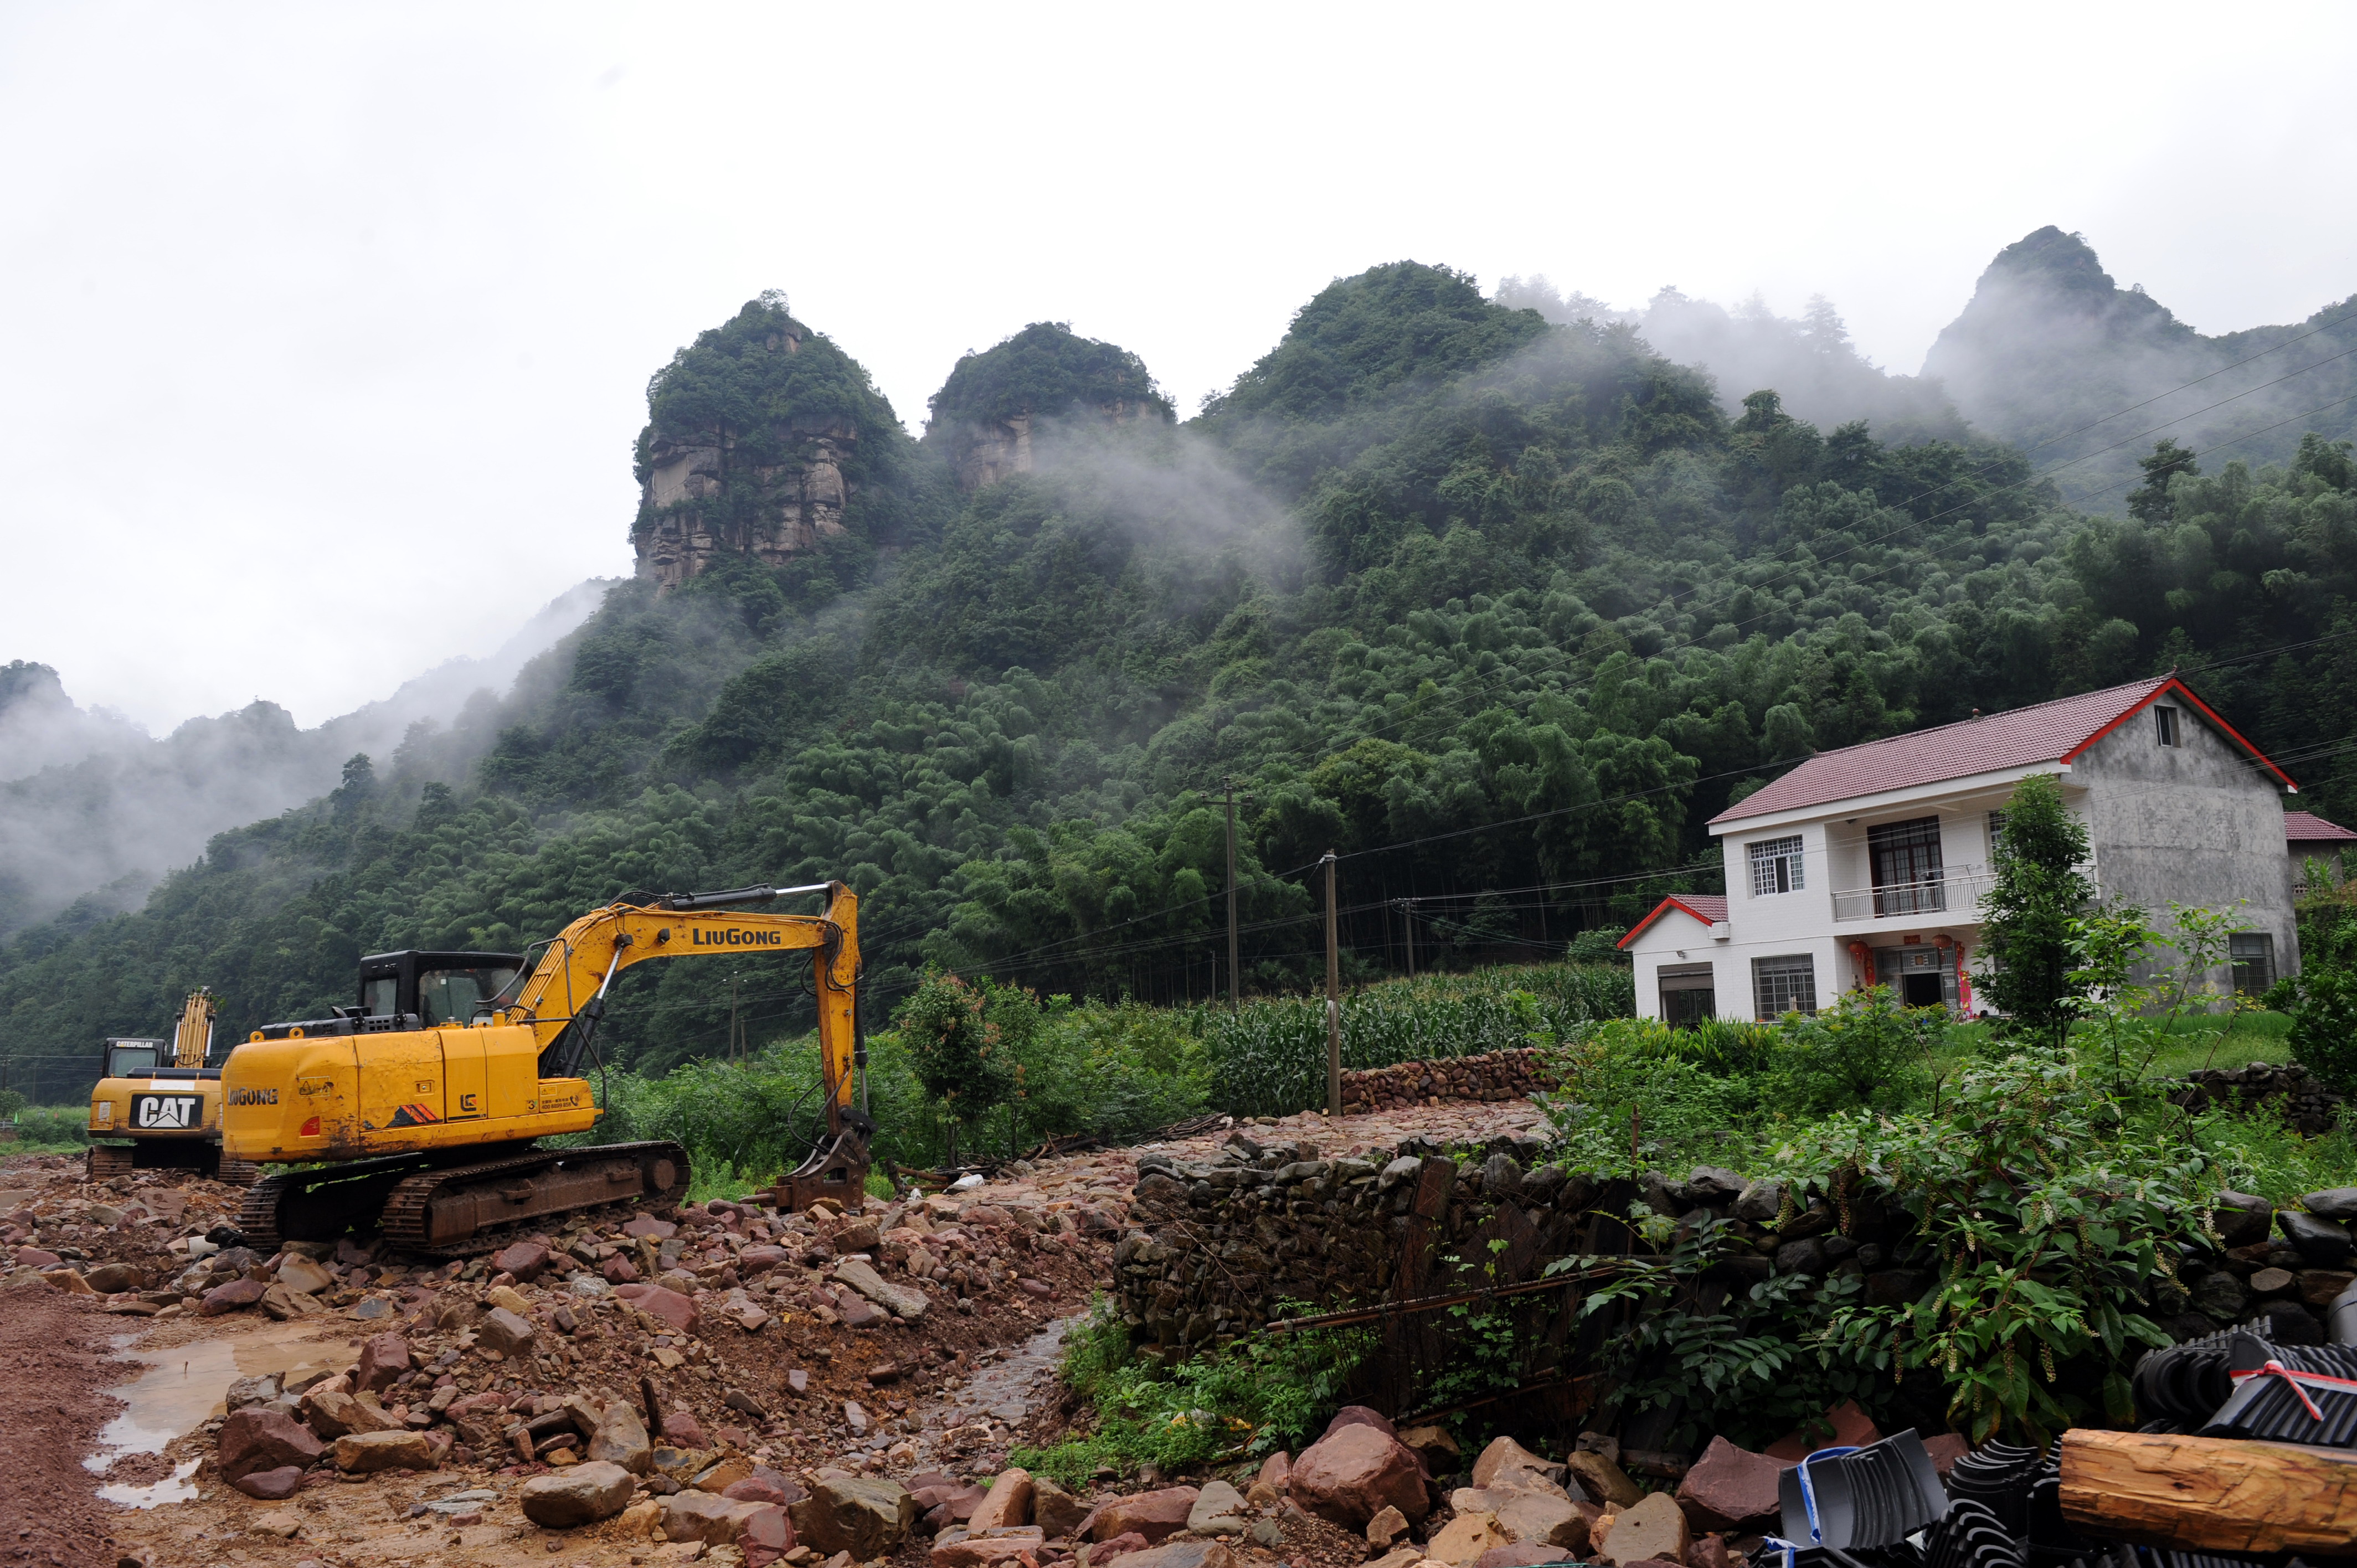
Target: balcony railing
point(1957, 890)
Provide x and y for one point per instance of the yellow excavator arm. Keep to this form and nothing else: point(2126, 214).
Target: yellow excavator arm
point(194, 1037)
point(563, 997)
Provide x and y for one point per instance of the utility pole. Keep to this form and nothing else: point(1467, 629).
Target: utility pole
point(1407, 909)
point(1235, 989)
point(736, 1050)
point(1333, 1001)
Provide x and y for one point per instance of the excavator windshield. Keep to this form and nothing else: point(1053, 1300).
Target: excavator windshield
point(133, 1058)
point(440, 988)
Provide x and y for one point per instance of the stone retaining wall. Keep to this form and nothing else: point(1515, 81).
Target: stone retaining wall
point(1213, 1249)
point(2307, 1106)
point(1491, 1076)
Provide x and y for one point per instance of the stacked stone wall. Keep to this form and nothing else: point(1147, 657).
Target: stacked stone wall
point(1491, 1076)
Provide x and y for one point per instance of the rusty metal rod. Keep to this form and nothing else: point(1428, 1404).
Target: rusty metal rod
point(1435, 1303)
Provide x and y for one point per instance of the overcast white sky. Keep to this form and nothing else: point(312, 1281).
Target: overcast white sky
point(324, 330)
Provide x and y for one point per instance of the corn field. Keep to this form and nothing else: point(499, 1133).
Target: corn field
point(1271, 1056)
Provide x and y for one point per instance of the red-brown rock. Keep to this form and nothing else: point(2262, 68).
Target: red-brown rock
point(1522, 1554)
point(271, 1486)
point(229, 1297)
point(1851, 1428)
point(1732, 1489)
point(383, 1360)
point(667, 1305)
point(681, 1428)
point(524, 1260)
point(1349, 1476)
point(1150, 1515)
point(1360, 1415)
point(258, 1438)
point(619, 1270)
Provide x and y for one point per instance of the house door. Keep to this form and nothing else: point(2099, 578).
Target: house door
point(1922, 990)
point(1689, 995)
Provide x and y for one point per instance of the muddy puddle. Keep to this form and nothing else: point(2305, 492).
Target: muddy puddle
point(183, 1385)
point(1002, 1393)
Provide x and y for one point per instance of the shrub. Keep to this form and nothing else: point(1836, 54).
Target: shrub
point(1864, 1050)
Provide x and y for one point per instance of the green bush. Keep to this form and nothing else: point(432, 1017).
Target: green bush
point(52, 1127)
point(1864, 1050)
point(1261, 1394)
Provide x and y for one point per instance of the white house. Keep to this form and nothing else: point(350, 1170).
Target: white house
point(1868, 866)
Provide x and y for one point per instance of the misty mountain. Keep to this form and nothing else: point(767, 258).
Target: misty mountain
point(2050, 351)
point(1810, 363)
point(98, 809)
point(1478, 602)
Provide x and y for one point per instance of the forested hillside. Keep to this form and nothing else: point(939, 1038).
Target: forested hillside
point(1499, 610)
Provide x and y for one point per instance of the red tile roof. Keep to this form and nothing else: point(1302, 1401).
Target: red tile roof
point(2307, 827)
point(2045, 732)
point(1710, 908)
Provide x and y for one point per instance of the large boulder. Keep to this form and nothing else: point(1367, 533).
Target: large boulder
point(865, 1516)
point(1462, 1540)
point(2323, 1243)
point(903, 1301)
point(1350, 1475)
point(1153, 1515)
point(229, 1297)
point(707, 1517)
point(678, 1311)
point(1653, 1527)
point(1006, 1505)
point(1012, 1545)
point(1184, 1552)
point(620, 1438)
point(366, 1452)
point(524, 1260)
point(1219, 1510)
point(334, 1413)
point(583, 1494)
point(1538, 1516)
point(271, 1486)
point(1733, 1491)
point(505, 1332)
point(297, 1272)
point(1054, 1509)
point(1504, 1456)
point(383, 1360)
point(259, 1438)
point(1601, 1477)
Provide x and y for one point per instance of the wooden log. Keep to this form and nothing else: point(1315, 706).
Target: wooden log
point(2210, 1493)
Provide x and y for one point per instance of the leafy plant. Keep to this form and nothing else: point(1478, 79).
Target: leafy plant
point(1260, 1393)
point(2039, 890)
point(1867, 1049)
point(2048, 1214)
point(959, 1055)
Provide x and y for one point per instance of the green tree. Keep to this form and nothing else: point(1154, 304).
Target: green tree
point(959, 1055)
point(2027, 936)
point(2149, 501)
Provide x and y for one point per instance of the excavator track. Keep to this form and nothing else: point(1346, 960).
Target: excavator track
point(460, 1210)
point(320, 1205)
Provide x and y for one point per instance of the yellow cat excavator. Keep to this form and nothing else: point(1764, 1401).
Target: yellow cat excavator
point(420, 1121)
point(161, 1097)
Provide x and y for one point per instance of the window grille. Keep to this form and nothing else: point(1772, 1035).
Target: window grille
point(2253, 957)
point(1781, 985)
point(1776, 866)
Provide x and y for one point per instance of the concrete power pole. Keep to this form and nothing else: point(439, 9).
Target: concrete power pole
point(1334, 1000)
point(1235, 976)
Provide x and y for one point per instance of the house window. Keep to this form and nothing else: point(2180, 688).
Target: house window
point(2253, 956)
point(1996, 830)
point(2164, 726)
point(1776, 866)
point(1781, 985)
point(1688, 994)
point(1906, 868)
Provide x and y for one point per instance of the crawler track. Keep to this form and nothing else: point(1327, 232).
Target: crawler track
point(454, 1210)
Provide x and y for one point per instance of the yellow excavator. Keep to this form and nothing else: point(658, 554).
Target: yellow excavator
point(416, 1111)
point(161, 1097)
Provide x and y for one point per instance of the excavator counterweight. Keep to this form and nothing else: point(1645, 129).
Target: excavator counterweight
point(414, 1117)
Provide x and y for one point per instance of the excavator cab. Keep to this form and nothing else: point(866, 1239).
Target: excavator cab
point(126, 1056)
point(436, 988)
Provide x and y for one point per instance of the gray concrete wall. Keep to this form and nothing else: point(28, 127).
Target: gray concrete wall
point(2193, 823)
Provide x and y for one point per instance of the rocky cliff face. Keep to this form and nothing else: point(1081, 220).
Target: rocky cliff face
point(986, 451)
point(760, 436)
point(988, 416)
